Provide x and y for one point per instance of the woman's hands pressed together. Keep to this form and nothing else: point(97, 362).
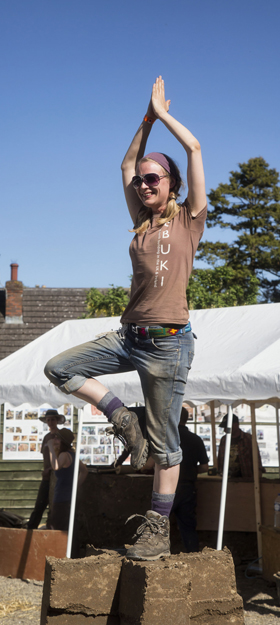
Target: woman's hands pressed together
point(158, 102)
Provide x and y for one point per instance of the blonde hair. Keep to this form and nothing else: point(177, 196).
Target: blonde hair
point(145, 214)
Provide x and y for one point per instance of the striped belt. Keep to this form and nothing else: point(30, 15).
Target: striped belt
point(158, 331)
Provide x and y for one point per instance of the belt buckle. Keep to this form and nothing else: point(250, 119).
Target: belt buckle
point(144, 332)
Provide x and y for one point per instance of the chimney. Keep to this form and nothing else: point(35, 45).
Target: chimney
point(14, 268)
point(14, 292)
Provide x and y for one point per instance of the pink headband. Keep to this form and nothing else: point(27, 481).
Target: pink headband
point(159, 158)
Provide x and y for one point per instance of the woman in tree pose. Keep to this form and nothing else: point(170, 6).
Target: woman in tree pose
point(155, 337)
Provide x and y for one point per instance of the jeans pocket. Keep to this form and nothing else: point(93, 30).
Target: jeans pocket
point(166, 344)
point(190, 359)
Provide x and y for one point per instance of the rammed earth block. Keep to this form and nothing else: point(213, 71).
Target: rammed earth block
point(89, 586)
point(214, 598)
point(155, 592)
point(108, 589)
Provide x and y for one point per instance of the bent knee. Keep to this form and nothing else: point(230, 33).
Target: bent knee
point(51, 371)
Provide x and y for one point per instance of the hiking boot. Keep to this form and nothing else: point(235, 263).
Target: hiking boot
point(125, 426)
point(153, 542)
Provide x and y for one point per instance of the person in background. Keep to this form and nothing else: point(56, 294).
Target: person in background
point(195, 460)
point(241, 451)
point(52, 418)
point(62, 458)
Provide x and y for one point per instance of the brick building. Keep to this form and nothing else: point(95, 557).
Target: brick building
point(27, 313)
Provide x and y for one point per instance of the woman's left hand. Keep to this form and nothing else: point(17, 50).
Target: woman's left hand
point(159, 103)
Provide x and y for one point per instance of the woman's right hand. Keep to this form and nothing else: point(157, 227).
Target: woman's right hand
point(158, 102)
point(150, 111)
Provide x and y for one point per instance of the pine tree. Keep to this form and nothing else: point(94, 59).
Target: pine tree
point(250, 206)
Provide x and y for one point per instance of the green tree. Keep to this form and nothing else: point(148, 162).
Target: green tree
point(250, 206)
point(112, 303)
point(220, 287)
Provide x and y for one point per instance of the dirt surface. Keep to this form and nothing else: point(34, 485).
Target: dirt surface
point(261, 603)
point(20, 602)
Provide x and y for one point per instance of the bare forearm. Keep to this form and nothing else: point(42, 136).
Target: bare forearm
point(134, 153)
point(137, 147)
point(195, 173)
point(180, 132)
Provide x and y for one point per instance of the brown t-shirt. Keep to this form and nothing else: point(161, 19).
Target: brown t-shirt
point(162, 260)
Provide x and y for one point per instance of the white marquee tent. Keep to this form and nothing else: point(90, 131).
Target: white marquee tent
point(237, 358)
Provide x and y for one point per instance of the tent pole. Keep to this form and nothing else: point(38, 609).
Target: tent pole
point(213, 429)
point(256, 478)
point(278, 433)
point(224, 481)
point(75, 484)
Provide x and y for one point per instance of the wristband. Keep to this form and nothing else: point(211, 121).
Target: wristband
point(149, 120)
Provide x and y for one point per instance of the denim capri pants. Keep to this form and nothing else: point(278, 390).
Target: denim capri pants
point(163, 365)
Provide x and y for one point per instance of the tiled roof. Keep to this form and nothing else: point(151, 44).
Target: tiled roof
point(43, 309)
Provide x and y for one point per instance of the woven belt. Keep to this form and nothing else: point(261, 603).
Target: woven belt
point(158, 331)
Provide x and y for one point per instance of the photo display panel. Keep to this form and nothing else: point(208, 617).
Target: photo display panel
point(97, 447)
point(200, 422)
point(23, 432)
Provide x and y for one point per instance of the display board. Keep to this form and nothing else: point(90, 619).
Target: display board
point(97, 448)
point(199, 422)
point(23, 431)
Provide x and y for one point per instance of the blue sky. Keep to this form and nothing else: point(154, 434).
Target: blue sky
point(76, 77)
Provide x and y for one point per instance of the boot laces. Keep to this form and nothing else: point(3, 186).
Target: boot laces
point(112, 430)
point(149, 526)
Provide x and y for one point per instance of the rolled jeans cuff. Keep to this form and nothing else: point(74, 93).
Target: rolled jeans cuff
point(73, 385)
point(169, 459)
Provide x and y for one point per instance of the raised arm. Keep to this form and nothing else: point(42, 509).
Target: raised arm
point(134, 153)
point(195, 172)
point(202, 468)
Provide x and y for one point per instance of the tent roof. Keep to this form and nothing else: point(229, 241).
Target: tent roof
point(237, 357)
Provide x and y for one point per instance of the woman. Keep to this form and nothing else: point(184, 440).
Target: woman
point(62, 459)
point(52, 419)
point(155, 338)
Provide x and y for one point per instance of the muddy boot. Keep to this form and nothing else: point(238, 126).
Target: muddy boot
point(125, 426)
point(153, 542)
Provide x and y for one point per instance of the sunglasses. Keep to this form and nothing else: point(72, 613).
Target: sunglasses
point(151, 180)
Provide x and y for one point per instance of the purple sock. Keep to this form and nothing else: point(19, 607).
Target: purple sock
point(108, 404)
point(162, 504)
